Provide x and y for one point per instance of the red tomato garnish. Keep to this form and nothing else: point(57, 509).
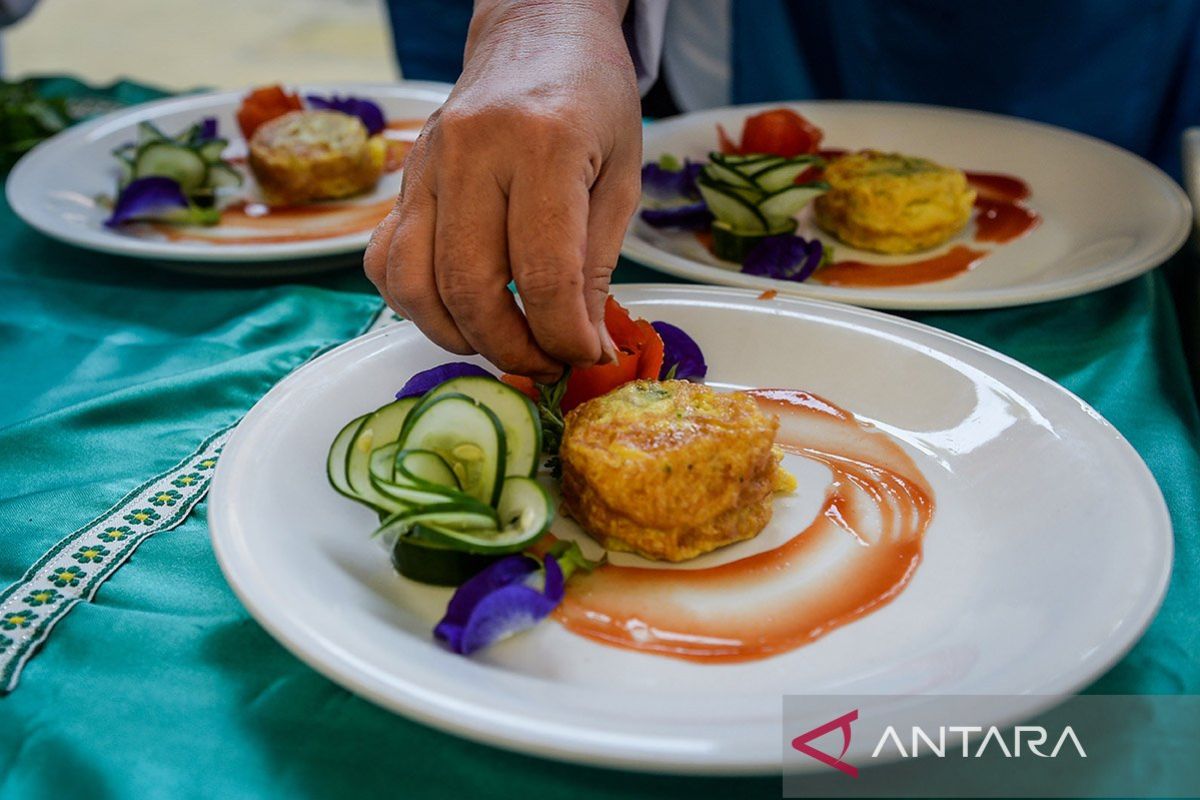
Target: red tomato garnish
point(263, 105)
point(639, 355)
point(779, 132)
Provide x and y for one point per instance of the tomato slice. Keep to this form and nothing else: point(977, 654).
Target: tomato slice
point(778, 132)
point(263, 105)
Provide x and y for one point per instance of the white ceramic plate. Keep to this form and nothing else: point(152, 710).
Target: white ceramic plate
point(54, 187)
point(1047, 557)
point(1107, 215)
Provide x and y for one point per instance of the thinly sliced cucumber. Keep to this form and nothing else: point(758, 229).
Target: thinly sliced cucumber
point(335, 464)
point(467, 435)
point(426, 469)
point(379, 428)
point(171, 161)
point(782, 205)
point(525, 512)
point(737, 160)
point(447, 516)
point(212, 149)
point(782, 175)
point(221, 175)
point(732, 209)
point(732, 245)
point(436, 564)
point(517, 414)
point(725, 174)
point(148, 132)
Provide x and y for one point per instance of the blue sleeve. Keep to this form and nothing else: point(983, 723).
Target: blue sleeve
point(430, 36)
point(1124, 70)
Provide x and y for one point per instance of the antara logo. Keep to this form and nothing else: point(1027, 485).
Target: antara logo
point(1025, 738)
point(801, 743)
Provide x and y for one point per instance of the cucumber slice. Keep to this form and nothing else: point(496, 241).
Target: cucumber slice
point(171, 161)
point(335, 464)
point(720, 172)
point(425, 469)
point(467, 435)
point(148, 132)
point(464, 517)
point(221, 175)
point(736, 160)
point(436, 564)
point(734, 245)
point(379, 428)
point(517, 414)
point(525, 512)
point(735, 211)
point(775, 177)
point(212, 149)
point(784, 204)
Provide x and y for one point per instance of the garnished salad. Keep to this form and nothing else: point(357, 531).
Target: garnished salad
point(747, 195)
point(456, 467)
point(181, 179)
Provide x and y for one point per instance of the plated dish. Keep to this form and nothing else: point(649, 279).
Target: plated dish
point(953, 463)
point(898, 206)
point(310, 187)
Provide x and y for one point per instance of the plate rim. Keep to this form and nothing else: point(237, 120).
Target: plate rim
point(500, 730)
point(22, 195)
point(642, 252)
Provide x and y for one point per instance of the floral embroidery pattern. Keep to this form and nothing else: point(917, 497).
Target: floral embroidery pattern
point(90, 554)
point(115, 534)
point(67, 576)
point(4, 643)
point(184, 481)
point(167, 497)
point(207, 463)
point(142, 516)
point(42, 597)
point(17, 619)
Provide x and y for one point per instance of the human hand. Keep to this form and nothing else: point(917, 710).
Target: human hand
point(529, 172)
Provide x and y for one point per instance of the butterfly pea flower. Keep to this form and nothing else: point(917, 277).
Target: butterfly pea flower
point(510, 596)
point(161, 199)
point(367, 111)
point(690, 217)
point(788, 258)
point(425, 380)
point(668, 179)
point(682, 357)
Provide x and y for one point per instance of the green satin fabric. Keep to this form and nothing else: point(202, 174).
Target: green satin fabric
point(164, 687)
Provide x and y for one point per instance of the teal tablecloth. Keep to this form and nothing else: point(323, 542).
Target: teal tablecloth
point(163, 686)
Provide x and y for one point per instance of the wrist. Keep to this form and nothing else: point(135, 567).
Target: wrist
point(597, 20)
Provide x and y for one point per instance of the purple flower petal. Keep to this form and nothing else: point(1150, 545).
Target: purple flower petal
point(691, 217)
point(206, 130)
point(367, 111)
point(681, 354)
point(157, 198)
point(425, 380)
point(788, 258)
point(663, 183)
point(498, 602)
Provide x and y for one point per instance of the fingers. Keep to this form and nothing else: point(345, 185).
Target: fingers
point(614, 198)
point(547, 236)
point(400, 262)
point(472, 274)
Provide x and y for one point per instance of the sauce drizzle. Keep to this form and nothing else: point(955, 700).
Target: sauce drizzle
point(856, 555)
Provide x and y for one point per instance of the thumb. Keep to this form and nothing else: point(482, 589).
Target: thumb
point(614, 198)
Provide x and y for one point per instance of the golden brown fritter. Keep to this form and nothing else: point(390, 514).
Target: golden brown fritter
point(670, 469)
point(892, 203)
point(314, 155)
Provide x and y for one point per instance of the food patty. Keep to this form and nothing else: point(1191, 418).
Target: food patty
point(892, 203)
point(304, 156)
point(670, 469)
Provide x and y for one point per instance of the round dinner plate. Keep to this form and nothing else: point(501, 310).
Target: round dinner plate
point(55, 186)
point(1106, 214)
point(1047, 556)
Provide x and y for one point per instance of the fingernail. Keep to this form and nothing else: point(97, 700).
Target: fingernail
point(608, 348)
